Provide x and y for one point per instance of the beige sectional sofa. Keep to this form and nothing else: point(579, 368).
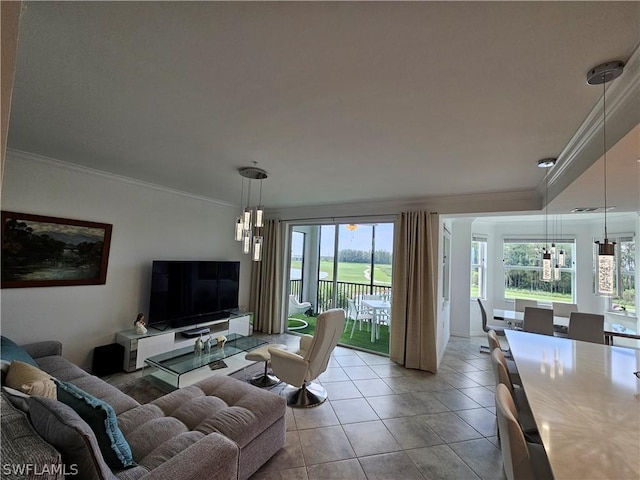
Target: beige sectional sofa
point(219, 428)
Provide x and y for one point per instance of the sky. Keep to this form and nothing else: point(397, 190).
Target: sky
point(358, 239)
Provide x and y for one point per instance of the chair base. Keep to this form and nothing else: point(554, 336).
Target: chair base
point(261, 380)
point(308, 396)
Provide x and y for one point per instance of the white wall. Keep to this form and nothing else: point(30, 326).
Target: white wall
point(148, 224)
point(460, 275)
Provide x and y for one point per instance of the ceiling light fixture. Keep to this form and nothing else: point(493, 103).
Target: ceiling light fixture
point(251, 220)
point(546, 254)
point(600, 75)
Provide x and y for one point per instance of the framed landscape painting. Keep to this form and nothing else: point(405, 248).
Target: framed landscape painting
point(40, 251)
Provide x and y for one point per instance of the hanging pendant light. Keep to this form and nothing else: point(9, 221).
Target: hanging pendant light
point(248, 228)
point(600, 75)
point(546, 253)
point(561, 251)
point(240, 220)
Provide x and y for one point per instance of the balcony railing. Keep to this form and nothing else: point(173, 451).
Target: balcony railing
point(344, 290)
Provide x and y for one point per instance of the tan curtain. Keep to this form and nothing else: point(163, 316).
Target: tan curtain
point(265, 299)
point(413, 329)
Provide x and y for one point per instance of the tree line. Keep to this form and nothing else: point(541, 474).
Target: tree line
point(362, 256)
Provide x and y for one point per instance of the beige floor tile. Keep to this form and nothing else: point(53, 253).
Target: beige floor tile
point(396, 466)
point(342, 470)
point(325, 444)
point(371, 438)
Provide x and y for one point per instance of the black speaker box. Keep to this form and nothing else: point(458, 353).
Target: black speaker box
point(107, 359)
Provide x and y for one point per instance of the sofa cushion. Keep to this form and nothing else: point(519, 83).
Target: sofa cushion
point(66, 371)
point(30, 380)
point(10, 351)
point(23, 448)
point(63, 428)
point(18, 399)
point(101, 417)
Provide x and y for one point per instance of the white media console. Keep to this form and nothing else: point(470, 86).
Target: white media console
point(138, 347)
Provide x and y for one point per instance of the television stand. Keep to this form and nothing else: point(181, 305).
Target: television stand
point(155, 341)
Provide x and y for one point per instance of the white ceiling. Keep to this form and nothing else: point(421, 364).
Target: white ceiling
point(339, 102)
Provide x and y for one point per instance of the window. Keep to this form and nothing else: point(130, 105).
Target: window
point(624, 297)
point(446, 262)
point(478, 267)
point(522, 259)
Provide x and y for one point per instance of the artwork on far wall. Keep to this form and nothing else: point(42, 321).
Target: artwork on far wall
point(40, 251)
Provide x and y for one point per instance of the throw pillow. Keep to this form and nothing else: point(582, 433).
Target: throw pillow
point(63, 428)
point(10, 351)
point(30, 380)
point(101, 417)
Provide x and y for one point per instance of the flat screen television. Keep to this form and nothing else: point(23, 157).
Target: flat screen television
point(190, 292)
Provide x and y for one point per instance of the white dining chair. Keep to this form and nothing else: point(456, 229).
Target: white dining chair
point(511, 364)
point(501, 375)
point(522, 460)
point(562, 309)
point(356, 315)
point(587, 327)
point(522, 303)
point(538, 320)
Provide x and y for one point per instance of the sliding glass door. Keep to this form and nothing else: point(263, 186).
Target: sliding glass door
point(340, 264)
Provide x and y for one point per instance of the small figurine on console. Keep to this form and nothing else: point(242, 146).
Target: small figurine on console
point(139, 324)
point(220, 341)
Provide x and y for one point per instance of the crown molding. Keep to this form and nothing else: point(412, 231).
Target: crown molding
point(510, 201)
point(585, 147)
point(53, 162)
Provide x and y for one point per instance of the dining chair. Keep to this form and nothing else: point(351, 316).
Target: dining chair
point(499, 330)
point(522, 460)
point(511, 365)
point(587, 327)
point(501, 374)
point(562, 309)
point(538, 320)
point(356, 315)
point(522, 303)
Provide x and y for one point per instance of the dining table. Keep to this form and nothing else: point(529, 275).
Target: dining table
point(514, 320)
point(585, 399)
point(380, 309)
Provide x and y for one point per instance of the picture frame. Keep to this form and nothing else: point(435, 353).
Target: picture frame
point(41, 251)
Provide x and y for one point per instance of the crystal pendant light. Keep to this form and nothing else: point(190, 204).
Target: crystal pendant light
point(600, 75)
point(546, 253)
point(249, 225)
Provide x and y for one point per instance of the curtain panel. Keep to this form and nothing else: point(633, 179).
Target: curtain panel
point(265, 299)
point(415, 266)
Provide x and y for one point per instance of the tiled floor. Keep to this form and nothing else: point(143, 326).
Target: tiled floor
point(382, 421)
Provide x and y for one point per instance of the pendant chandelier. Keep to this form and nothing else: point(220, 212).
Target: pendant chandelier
point(600, 75)
point(546, 252)
point(251, 220)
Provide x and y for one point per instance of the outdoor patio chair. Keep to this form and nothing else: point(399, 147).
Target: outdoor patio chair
point(356, 315)
point(297, 307)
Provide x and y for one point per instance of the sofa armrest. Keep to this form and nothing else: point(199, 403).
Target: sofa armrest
point(43, 349)
point(213, 457)
point(288, 367)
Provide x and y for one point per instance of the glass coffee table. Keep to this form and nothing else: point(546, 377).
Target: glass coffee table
point(182, 367)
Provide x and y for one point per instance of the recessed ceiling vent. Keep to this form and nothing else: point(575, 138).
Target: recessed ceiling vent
point(590, 209)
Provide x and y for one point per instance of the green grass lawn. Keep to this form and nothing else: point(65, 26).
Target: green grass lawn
point(361, 338)
point(353, 272)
